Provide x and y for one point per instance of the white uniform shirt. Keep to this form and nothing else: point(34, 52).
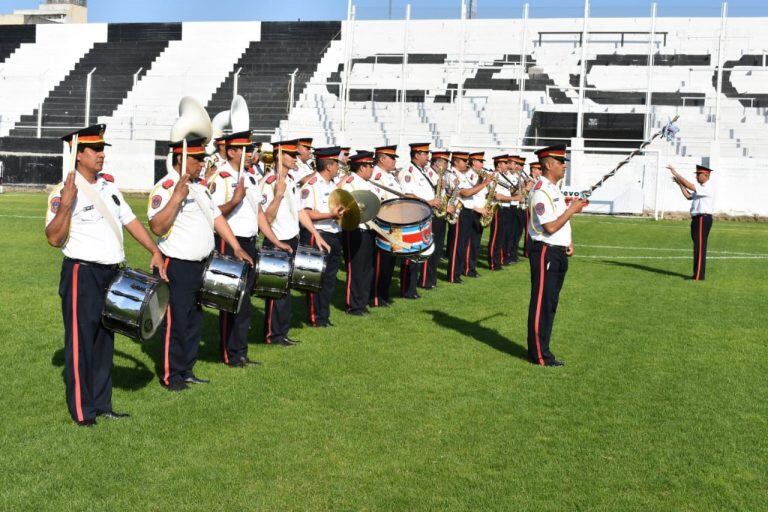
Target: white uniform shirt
point(314, 196)
point(482, 194)
point(515, 179)
point(387, 179)
point(504, 188)
point(90, 237)
point(286, 223)
point(547, 204)
point(244, 218)
point(355, 182)
point(191, 235)
point(703, 199)
point(420, 183)
point(465, 182)
point(303, 169)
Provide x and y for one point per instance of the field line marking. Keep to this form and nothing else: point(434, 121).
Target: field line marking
point(23, 216)
point(624, 257)
point(689, 249)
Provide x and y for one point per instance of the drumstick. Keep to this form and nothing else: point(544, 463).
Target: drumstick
point(184, 157)
point(383, 234)
point(73, 153)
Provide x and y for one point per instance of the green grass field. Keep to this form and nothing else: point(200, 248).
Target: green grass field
point(428, 405)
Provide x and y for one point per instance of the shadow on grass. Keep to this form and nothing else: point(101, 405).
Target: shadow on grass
point(132, 377)
point(490, 337)
point(646, 268)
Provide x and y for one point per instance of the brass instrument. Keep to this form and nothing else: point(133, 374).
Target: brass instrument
point(268, 159)
point(491, 204)
point(442, 209)
point(453, 200)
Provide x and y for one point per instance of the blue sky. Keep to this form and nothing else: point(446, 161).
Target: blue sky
point(126, 11)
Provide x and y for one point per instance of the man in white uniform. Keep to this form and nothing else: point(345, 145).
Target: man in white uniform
point(182, 214)
point(236, 193)
point(702, 197)
point(304, 164)
point(92, 252)
point(550, 229)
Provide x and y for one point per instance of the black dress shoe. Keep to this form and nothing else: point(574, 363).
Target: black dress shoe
point(555, 362)
point(457, 281)
point(285, 342)
point(366, 311)
point(112, 415)
point(86, 423)
point(382, 304)
point(496, 269)
point(473, 274)
point(176, 386)
point(292, 340)
point(246, 361)
point(194, 380)
point(428, 287)
point(236, 364)
point(356, 312)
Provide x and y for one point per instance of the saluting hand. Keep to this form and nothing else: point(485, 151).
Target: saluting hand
point(182, 189)
point(69, 191)
point(239, 194)
point(281, 184)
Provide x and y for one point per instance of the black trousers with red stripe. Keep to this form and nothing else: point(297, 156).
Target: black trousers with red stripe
point(499, 237)
point(475, 238)
point(700, 227)
point(549, 265)
point(518, 228)
point(409, 277)
point(88, 346)
point(183, 320)
point(428, 269)
point(527, 242)
point(278, 313)
point(383, 270)
point(319, 304)
point(233, 328)
point(358, 248)
point(458, 245)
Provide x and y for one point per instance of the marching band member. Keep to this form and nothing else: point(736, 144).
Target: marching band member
point(304, 164)
point(280, 198)
point(314, 200)
point(550, 229)
point(253, 160)
point(476, 161)
point(237, 196)
point(92, 245)
point(384, 161)
point(358, 244)
point(428, 270)
point(702, 197)
point(419, 182)
point(517, 213)
point(535, 172)
point(459, 232)
point(182, 214)
point(499, 226)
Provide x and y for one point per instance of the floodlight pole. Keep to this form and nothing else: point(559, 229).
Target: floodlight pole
point(459, 99)
point(649, 88)
point(720, 59)
point(88, 81)
point(403, 72)
point(523, 61)
point(583, 77)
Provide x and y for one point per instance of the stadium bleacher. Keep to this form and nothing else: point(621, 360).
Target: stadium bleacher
point(201, 60)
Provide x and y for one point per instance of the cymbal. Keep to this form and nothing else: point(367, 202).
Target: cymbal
point(351, 217)
point(368, 202)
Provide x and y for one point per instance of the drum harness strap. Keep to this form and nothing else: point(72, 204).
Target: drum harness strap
point(95, 198)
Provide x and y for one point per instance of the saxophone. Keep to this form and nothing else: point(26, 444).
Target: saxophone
point(490, 200)
point(442, 209)
point(453, 200)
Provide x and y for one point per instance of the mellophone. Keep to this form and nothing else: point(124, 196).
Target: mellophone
point(136, 302)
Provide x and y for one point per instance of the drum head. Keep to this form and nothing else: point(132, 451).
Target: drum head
point(154, 311)
point(403, 212)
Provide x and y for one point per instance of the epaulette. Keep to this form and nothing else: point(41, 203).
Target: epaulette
point(224, 174)
point(108, 177)
point(538, 185)
point(350, 179)
point(271, 179)
point(167, 184)
point(410, 169)
point(202, 182)
point(312, 180)
point(378, 176)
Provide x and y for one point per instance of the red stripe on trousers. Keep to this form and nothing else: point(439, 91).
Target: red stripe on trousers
point(493, 237)
point(269, 303)
point(424, 274)
point(312, 319)
point(376, 281)
point(466, 268)
point(167, 344)
point(698, 264)
point(542, 272)
point(455, 248)
point(76, 346)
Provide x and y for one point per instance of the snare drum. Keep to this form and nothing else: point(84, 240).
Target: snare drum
point(224, 282)
point(422, 256)
point(135, 304)
point(308, 269)
point(273, 273)
point(407, 221)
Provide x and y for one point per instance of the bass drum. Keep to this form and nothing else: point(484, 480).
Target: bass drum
point(273, 274)
point(135, 304)
point(224, 282)
point(408, 222)
point(308, 268)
